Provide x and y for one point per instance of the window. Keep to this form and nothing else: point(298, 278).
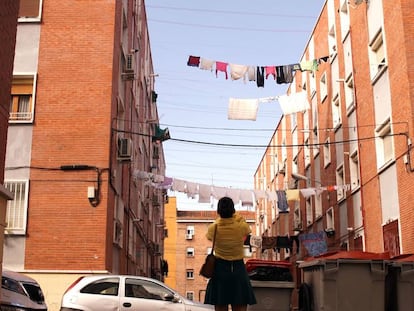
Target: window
point(16, 214)
point(344, 17)
point(340, 178)
point(107, 286)
point(190, 274)
point(377, 55)
point(22, 99)
point(336, 112)
point(332, 40)
point(189, 233)
point(30, 10)
point(137, 288)
point(327, 152)
point(323, 87)
point(354, 170)
point(349, 94)
point(384, 144)
point(189, 295)
point(190, 251)
point(190, 230)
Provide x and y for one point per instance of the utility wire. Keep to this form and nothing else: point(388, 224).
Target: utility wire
point(230, 12)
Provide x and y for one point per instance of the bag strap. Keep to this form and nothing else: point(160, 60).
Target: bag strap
point(214, 239)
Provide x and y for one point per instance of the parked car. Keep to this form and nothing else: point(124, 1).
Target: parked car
point(125, 292)
point(20, 292)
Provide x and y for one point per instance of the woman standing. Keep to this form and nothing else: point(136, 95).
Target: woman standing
point(230, 284)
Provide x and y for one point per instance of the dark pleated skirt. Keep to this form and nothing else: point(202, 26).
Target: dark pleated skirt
point(230, 285)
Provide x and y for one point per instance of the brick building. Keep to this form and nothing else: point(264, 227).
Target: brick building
point(83, 126)
point(354, 143)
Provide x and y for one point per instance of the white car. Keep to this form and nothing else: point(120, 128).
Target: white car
point(20, 292)
point(125, 292)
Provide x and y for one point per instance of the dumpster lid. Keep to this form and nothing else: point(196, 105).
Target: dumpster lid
point(403, 258)
point(348, 255)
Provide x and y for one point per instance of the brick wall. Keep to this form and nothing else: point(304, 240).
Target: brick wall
point(72, 126)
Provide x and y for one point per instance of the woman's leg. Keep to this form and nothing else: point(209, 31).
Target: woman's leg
point(221, 308)
point(238, 307)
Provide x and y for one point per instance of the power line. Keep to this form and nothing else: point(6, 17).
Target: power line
point(231, 12)
point(228, 27)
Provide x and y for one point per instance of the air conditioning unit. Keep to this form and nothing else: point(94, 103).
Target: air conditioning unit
point(130, 63)
point(124, 149)
point(188, 236)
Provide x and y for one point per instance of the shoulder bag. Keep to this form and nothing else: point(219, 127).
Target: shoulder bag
point(207, 269)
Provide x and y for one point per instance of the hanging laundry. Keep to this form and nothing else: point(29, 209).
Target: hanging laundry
point(243, 109)
point(234, 194)
point(178, 185)
point(280, 75)
point(204, 193)
point(288, 73)
point(308, 192)
point(192, 189)
point(282, 203)
point(270, 70)
point(193, 61)
point(251, 73)
point(238, 72)
point(292, 195)
point(271, 195)
point(293, 103)
point(219, 192)
point(309, 65)
point(259, 194)
point(206, 64)
point(246, 197)
point(260, 76)
point(221, 66)
point(166, 183)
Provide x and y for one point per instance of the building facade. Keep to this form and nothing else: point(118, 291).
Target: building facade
point(349, 154)
point(83, 130)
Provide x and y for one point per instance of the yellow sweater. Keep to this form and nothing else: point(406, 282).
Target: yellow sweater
point(230, 236)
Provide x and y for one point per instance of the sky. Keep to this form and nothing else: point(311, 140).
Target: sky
point(205, 146)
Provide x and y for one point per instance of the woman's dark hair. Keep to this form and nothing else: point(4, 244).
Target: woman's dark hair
point(225, 207)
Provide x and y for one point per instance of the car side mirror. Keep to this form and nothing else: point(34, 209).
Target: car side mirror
point(171, 297)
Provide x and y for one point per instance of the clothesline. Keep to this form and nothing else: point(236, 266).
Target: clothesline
point(245, 197)
point(280, 73)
